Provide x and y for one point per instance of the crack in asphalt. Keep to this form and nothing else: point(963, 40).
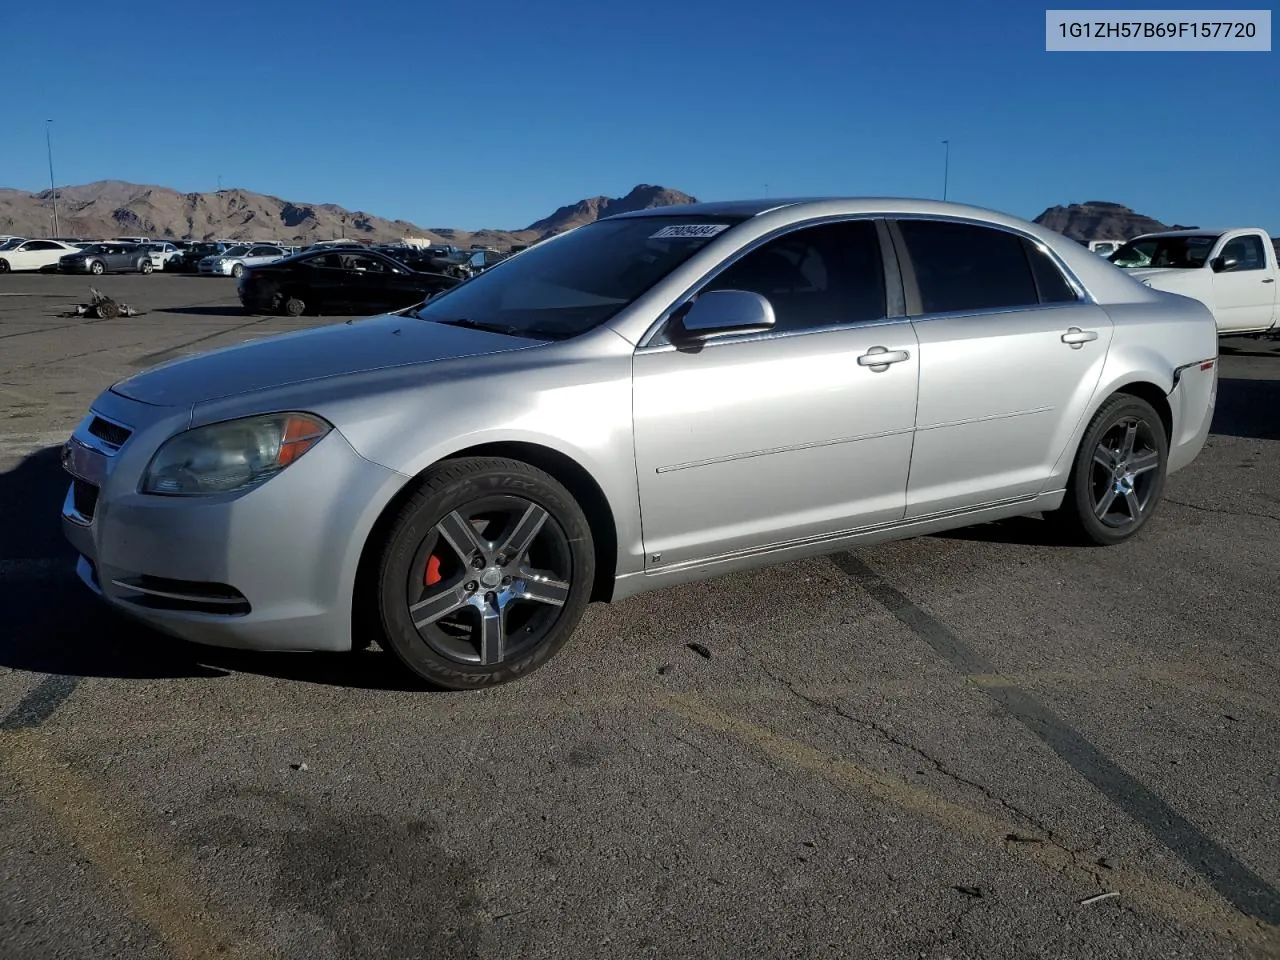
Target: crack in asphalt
point(1223, 512)
point(1050, 836)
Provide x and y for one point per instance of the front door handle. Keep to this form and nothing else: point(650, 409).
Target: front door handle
point(879, 358)
point(1269, 280)
point(1077, 337)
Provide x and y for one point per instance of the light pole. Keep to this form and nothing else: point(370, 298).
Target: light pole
point(946, 168)
point(53, 190)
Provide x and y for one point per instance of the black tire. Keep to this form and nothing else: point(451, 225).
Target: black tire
point(96, 267)
point(1104, 492)
point(237, 270)
point(293, 307)
point(534, 609)
point(145, 266)
point(4, 266)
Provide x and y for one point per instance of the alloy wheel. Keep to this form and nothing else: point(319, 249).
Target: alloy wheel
point(489, 581)
point(1124, 473)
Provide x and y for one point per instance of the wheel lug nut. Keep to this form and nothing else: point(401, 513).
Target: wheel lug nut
point(478, 562)
point(472, 586)
point(506, 581)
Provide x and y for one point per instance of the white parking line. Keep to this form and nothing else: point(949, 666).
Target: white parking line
point(19, 571)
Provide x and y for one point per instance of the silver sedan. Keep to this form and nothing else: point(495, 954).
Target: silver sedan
point(650, 399)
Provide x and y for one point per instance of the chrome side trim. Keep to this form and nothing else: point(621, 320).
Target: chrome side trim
point(773, 335)
point(994, 416)
point(787, 449)
point(826, 538)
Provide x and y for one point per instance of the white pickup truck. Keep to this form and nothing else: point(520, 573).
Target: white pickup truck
point(1232, 272)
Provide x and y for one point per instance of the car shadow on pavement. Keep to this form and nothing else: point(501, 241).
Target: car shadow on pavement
point(53, 624)
point(1248, 409)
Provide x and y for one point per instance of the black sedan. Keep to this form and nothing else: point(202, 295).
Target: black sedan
point(337, 281)
point(108, 258)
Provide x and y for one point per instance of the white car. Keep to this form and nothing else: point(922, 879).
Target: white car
point(232, 263)
point(161, 252)
point(19, 254)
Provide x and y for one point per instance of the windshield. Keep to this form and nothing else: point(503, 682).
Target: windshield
point(576, 282)
point(1177, 252)
point(235, 252)
point(10, 244)
point(100, 248)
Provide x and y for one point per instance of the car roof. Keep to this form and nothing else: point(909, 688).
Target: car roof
point(824, 205)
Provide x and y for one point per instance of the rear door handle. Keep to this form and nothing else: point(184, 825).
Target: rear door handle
point(879, 358)
point(1077, 337)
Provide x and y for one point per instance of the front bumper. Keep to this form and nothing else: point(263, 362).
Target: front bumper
point(272, 568)
point(80, 266)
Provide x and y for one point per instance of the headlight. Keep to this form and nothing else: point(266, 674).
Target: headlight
point(229, 456)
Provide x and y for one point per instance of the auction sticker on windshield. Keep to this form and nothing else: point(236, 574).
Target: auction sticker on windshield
point(697, 230)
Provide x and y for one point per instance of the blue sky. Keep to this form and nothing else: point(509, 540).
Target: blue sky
point(493, 114)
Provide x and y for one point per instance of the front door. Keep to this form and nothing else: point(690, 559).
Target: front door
point(757, 440)
point(1010, 356)
point(1245, 294)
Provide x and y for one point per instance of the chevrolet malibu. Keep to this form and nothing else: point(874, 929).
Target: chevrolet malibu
point(653, 398)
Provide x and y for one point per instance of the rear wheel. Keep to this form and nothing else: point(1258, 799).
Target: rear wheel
point(484, 574)
point(1118, 476)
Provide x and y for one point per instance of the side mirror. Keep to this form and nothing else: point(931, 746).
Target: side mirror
point(1222, 264)
point(719, 312)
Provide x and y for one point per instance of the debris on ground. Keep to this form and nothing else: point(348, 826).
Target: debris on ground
point(298, 766)
point(700, 650)
point(665, 669)
point(1102, 896)
point(102, 307)
point(975, 892)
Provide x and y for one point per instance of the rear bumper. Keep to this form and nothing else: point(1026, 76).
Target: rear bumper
point(1192, 402)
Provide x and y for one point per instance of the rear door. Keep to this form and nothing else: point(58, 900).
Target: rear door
point(1011, 352)
point(1245, 293)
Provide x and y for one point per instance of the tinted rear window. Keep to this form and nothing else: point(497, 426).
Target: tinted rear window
point(961, 266)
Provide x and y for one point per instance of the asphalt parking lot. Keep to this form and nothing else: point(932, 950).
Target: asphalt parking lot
point(974, 745)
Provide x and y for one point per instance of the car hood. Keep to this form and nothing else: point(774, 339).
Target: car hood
point(1172, 279)
point(346, 348)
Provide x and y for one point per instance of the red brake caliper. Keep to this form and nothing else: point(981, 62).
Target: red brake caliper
point(432, 576)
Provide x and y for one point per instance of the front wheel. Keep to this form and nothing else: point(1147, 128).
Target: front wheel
point(146, 266)
point(237, 271)
point(4, 266)
point(293, 307)
point(96, 267)
point(484, 573)
point(1118, 475)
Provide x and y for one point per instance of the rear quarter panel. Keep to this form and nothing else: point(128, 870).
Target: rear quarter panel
point(1151, 340)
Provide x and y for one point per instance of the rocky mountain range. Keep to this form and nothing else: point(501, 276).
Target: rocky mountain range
point(111, 208)
point(1101, 220)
